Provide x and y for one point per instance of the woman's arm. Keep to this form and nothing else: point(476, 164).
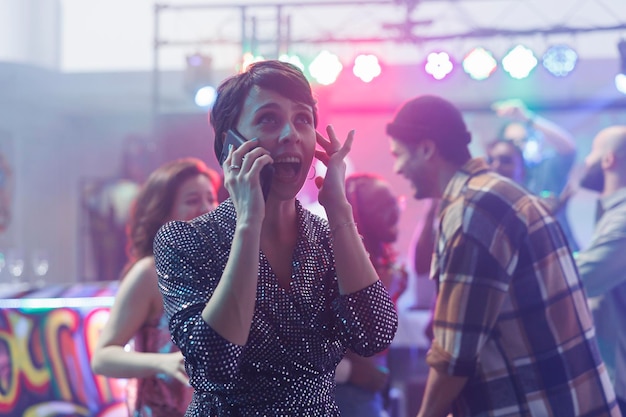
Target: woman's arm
point(369, 317)
point(189, 264)
point(230, 309)
point(560, 139)
point(134, 305)
point(354, 268)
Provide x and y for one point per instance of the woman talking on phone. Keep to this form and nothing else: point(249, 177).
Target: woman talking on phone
point(263, 296)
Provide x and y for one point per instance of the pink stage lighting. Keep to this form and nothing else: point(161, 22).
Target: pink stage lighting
point(292, 59)
point(438, 65)
point(366, 67)
point(325, 68)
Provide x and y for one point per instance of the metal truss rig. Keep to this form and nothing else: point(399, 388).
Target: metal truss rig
point(404, 31)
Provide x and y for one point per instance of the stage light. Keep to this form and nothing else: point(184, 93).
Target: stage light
point(560, 60)
point(366, 67)
point(205, 96)
point(325, 68)
point(292, 59)
point(199, 78)
point(519, 62)
point(438, 65)
point(620, 79)
point(249, 59)
point(479, 64)
point(620, 83)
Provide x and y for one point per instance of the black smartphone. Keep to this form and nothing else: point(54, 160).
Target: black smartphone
point(267, 173)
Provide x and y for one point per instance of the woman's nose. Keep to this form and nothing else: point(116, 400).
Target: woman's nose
point(288, 133)
point(205, 207)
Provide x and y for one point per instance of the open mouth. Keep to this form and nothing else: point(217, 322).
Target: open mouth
point(287, 167)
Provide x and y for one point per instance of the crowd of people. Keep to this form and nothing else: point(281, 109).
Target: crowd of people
point(255, 306)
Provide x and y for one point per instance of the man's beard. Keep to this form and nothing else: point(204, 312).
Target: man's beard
point(593, 178)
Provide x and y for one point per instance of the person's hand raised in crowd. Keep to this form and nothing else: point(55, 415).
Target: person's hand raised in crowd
point(513, 109)
point(332, 154)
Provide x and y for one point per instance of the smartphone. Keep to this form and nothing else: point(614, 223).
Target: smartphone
point(267, 173)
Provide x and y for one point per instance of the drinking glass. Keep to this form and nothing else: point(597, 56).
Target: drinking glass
point(40, 264)
point(3, 263)
point(15, 265)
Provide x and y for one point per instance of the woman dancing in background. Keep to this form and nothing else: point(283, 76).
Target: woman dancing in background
point(179, 190)
point(361, 382)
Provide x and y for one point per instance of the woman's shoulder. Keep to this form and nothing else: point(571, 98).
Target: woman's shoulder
point(209, 226)
point(141, 279)
point(142, 270)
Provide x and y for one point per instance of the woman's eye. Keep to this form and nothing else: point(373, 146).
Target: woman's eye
point(304, 118)
point(268, 118)
point(192, 202)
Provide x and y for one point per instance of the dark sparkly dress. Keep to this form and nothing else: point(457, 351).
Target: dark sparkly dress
point(298, 336)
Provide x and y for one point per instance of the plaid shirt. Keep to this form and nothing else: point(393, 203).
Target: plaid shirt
point(511, 314)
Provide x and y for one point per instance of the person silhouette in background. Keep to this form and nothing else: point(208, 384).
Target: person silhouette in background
point(602, 265)
point(108, 204)
point(179, 190)
point(513, 334)
point(538, 154)
point(361, 382)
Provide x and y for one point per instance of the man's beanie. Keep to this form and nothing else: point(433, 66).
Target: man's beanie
point(429, 117)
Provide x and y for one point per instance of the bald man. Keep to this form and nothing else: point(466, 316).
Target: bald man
point(602, 265)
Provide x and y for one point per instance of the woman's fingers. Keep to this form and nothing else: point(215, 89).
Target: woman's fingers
point(332, 146)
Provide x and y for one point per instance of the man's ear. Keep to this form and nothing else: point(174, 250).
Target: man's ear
point(429, 148)
point(608, 160)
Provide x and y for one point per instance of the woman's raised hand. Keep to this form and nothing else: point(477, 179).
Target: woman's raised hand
point(333, 154)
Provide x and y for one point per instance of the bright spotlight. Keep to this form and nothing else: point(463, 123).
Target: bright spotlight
point(560, 60)
point(438, 65)
point(199, 78)
point(479, 64)
point(292, 59)
point(620, 83)
point(325, 68)
point(519, 62)
point(205, 96)
point(366, 67)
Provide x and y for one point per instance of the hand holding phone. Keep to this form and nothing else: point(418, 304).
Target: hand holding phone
point(267, 172)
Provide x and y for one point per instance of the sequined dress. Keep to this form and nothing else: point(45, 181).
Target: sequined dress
point(298, 336)
point(159, 395)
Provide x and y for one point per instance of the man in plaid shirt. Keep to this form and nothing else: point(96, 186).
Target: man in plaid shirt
point(513, 335)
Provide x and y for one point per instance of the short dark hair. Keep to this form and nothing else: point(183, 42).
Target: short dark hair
point(434, 118)
point(281, 77)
